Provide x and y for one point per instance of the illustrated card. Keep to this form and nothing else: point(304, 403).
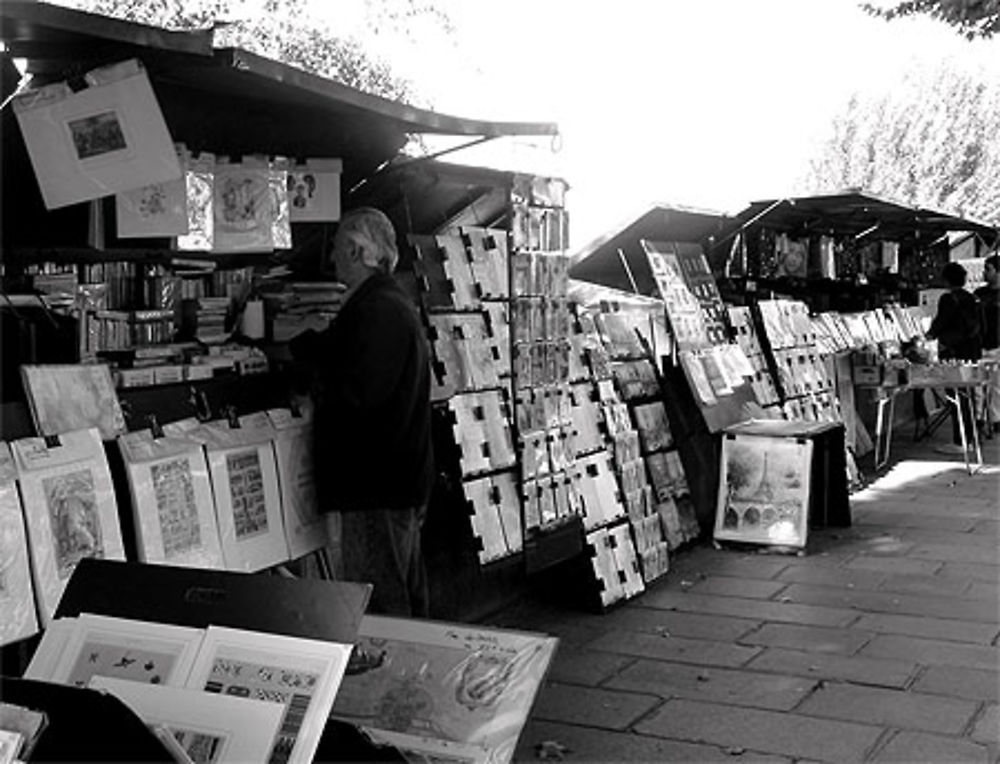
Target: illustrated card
point(423, 683)
point(300, 676)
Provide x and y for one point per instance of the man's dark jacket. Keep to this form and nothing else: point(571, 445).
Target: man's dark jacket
point(373, 418)
point(958, 326)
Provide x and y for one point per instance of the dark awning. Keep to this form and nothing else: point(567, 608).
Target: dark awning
point(599, 262)
point(203, 91)
point(855, 213)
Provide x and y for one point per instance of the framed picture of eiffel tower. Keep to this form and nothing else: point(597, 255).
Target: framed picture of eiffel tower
point(764, 490)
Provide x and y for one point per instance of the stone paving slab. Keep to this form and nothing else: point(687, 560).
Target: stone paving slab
point(579, 666)
point(841, 578)
point(771, 731)
point(680, 624)
point(884, 672)
point(908, 747)
point(584, 744)
point(699, 651)
point(932, 628)
point(987, 729)
point(902, 604)
point(590, 706)
point(891, 708)
point(808, 638)
point(742, 608)
point(898, 566)
point(931, 651)
point(957, 682)
point(935, 586)
point(878, 515)
point(955, 553)
point(742, 688)
point(975, 571)
point(729, 586)
point(727, 563)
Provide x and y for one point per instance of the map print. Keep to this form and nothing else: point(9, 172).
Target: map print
point(176, 507)
point(246, 487)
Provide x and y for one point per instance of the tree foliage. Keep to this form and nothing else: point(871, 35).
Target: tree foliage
point(285, 31)
point(931, 142)
point(972, 18)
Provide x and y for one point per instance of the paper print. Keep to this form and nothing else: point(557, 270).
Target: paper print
point(764, 490)
point(17, 602)
point(246, 487)
point(65, 397)
point(175, 506)
point(73, 518)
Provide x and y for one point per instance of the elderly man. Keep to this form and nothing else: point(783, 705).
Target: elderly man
point(374, 460)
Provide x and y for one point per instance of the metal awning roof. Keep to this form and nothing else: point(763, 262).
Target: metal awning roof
point(855, 213)
point(203, 91)
point(599, 262)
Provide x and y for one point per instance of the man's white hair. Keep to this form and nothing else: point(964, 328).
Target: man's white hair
point(372, 230)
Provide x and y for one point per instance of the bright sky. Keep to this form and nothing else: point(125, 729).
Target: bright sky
point(703, 104)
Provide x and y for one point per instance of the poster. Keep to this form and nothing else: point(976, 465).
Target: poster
point(305, 527)
point(70, 509)
point(421, 684)
point(108, 137)
point(764, 490)
point(171, 500)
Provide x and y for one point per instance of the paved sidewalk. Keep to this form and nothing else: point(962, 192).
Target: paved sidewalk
point(880, 644)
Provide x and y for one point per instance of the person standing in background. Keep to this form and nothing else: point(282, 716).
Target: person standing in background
point(989, 298)
point(373, 453)
point(957, 327)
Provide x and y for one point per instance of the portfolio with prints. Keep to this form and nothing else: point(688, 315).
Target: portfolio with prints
point(70, 509)
point(66, 397)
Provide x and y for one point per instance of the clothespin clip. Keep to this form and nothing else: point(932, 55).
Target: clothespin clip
point(154, 426)
point(202, 409)
point(52, 441)
point(294, 408)
point(234, 420)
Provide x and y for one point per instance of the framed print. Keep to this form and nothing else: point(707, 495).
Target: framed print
point(17, 598)
point(764, 490)
point(139, 651)
point(300, 676)
point(65, 397)
point(211, 728)
point(49, 650)
point(107, 137)
point(172, 500)
point(70, 509)
point(420, 684)
point(305, 527)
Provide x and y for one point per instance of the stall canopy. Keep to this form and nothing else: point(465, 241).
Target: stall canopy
point(858, 214)
point(616, 259)
point(204, 92)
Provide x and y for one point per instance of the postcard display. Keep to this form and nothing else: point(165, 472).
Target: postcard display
point(716, 368)
point(220, 694)
point(464, 285)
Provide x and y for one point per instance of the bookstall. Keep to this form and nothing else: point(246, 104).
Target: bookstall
point(789, 324)
point(167, 206)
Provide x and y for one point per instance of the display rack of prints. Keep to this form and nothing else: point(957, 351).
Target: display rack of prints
point(138, 651)
point(301, 676)
point(17, 600)
point(65, 397)
point(244, 477)
point(208, 727)
point(684, 309)
point(69, 506)
point(440, 691)
point(171, 500)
